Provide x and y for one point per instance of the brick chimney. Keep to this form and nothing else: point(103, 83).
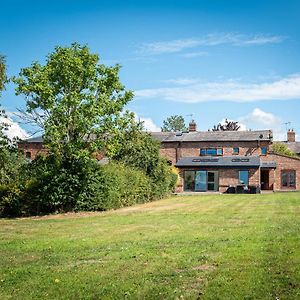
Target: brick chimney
point(291, 136)
point(192, 126)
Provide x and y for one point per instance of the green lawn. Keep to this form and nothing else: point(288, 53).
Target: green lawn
point(208, 247)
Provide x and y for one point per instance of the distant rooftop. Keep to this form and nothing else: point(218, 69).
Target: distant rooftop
point(38, 139)
point(198, 136)
point(293, 146)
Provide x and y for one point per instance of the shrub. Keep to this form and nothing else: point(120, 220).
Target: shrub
point(10, 196)
point(281, 148)
point(113, 186)
point(163, 179)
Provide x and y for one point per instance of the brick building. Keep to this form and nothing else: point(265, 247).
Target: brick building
point(217, 160)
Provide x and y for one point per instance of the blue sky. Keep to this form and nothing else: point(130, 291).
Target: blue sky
point(214, 59)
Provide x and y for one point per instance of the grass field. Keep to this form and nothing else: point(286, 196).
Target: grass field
point(189, 247)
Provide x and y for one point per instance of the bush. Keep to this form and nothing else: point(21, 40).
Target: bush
point(281, 148)
point(113, 186)
point(52, 184)
point(163, 179)
point(10, 196)
point(11, 164)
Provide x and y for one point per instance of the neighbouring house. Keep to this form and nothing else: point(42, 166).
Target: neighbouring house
point(217, 160)
point(291, 142)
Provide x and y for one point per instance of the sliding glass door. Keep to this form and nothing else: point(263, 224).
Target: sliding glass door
point(201, 181)
point(212, 180)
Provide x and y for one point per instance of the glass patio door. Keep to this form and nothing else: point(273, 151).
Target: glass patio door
point(212, 180)
point(201, 181)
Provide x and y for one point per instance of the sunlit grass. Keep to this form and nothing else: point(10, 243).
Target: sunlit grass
point(208, 247)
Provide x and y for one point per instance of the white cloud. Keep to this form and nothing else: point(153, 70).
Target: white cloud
point(230, 90)
point(209, 40)
point(259, 119)
point(262, 117)
point(194, 54)
point(169, 46)
point(14, 129)
point(261, 40)
point(183, 81)
point(148, 123)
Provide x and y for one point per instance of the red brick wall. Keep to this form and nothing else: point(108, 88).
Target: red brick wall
point(34, 148)
point(283, 163)
point(169, 154)
point(38, 149)
point(185, 149)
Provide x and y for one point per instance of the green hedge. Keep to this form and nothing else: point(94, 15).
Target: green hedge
point(115, 186)
point(49, 185)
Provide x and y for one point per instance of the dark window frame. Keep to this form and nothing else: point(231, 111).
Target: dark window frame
point(236, 152)
point(211, 148)
point(288, 187)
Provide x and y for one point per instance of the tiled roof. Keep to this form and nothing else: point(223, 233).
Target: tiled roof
point(38, 139)
point(222, 161)
point(294, 146)
point(198, 136)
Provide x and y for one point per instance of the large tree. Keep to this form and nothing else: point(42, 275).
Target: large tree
point(77, 101)
point(3, 81)
point(3, 77)
point(173, 124)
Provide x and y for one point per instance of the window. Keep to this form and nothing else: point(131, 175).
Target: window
point(219, 151)
point(203, 151)
point(211, 151)
point(236, 150)
point(264, 150)
point(189, 180)
point(288, 179)
point(244, 177)
point(201, 181)
point(28, 155)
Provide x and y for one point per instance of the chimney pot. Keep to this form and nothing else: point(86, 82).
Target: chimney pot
point(291, 136)
point(192, 126)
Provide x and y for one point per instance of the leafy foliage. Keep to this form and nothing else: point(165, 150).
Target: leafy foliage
point(75, 99)
point(114, 186)
point(3, 77)
point(138, 149)
point(227, 126)
point(80, 103)
point(141, 151)
point(281, 148)
point(173, 124)
point(4, 141)
point(11, 164)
